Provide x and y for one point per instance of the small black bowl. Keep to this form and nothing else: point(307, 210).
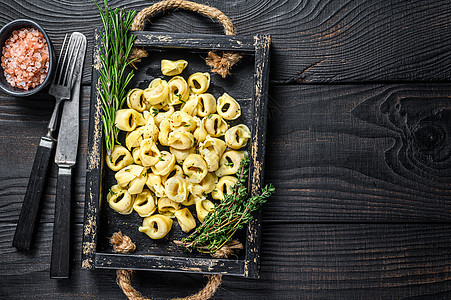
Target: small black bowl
point(5, 33)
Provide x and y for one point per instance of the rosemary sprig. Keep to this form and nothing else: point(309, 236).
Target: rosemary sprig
point(228, 216)
point(114, 75)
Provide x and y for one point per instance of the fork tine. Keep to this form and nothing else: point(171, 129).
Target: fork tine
point(58, 66)
point(72, 62)
point(67, 57)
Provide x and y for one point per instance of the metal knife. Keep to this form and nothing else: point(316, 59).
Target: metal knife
point(65, 158)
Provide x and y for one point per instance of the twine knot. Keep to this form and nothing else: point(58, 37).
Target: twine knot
point(122, 243)
point(222, 64)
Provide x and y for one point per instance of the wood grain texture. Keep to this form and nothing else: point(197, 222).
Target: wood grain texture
point(305, 261)
point(360, 153)
point(22, 123)
point(313, 41)
point(335, 154)
point(339, 155)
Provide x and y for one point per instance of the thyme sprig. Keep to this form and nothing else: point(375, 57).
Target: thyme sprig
point(114, 75)
point(228, 216)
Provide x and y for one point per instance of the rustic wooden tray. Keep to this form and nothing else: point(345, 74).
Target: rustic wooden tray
point(249, 85)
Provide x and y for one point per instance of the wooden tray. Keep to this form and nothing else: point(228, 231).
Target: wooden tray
point(248, 84)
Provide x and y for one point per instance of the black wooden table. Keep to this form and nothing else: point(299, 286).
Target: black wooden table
point(358, 146)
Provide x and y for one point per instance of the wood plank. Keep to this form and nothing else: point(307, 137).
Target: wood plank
point(315, 41)
point(195, 41)
point(360, 153)
point(22, 123)
point(335, 154)
point(308, 261)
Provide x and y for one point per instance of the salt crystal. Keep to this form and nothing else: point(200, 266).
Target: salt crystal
point(23, 55)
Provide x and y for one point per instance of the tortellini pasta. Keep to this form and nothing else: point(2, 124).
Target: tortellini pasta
point(229, 162)
point(167, 207)
point(181, 140)
point(120, 200)
point(182, 121)
point(224, 186)
point(171, 68)
point(237, 136)
point(199, 82)
point(175, 171)
point(156, 226)
point(207, 105)
point(154, 183)
point(195, 168)
point(228, 108)
point(176, 189)
point(119, 158)
point(149, 152)
point(150, 129)
point(135, 100)
point(134, 138)
point(128, 119)
point(178, 90)
point(165, 129)
point(166, 162)
point(157, 92)
point(203, 208)
point(206, 186)
point(136, 158)
point(211, 150)
point(215, 125)
point(144, 204)
point(133, 178)
point(200, 134)
point(185, 219)
point(179, 154)
point(161, 112)
point(191, 106)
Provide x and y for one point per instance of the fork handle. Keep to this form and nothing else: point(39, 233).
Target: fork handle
point(60, 260)
point(30, 207)
point(55, 115)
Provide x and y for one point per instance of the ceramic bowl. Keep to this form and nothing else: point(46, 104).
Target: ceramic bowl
point(5, 33)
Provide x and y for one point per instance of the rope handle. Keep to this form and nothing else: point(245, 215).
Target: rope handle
point(208, 11)
point(123, 244)
point(221, 63)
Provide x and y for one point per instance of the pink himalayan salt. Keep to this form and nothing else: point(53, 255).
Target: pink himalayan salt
point(25, 58)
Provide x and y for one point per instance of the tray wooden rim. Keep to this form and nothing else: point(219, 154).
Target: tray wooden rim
point(249, 267)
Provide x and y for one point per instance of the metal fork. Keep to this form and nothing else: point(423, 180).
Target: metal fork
point(60, 88)
point(64, 78)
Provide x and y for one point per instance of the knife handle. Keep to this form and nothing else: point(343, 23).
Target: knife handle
point(30, 207)
point(59, 265)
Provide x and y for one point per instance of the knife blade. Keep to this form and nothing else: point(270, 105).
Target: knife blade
point(65, 158)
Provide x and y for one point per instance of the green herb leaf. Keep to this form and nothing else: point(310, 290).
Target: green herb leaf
point(115, 48)
point(229, 215)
